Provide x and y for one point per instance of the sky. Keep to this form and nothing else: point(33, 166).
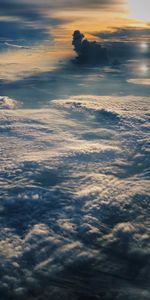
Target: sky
point(37, 34)
point(41, 20)
point(75, 149)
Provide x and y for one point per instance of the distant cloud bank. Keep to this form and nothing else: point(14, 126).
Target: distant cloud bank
point(115, 47)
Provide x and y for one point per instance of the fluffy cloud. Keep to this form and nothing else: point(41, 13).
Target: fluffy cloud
point(8, 103)
point(75, 209)
point(124, 43)
point(87, 51)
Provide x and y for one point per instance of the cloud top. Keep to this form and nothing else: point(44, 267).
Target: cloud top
point(8, 103)
point(88, 51)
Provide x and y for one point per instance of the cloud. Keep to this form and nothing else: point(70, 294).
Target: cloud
point(8, 103)
point(75, 209)
point(87, 51)
point(126, 43)
point(42, 15)
point(128, 34)
point(19, 9)
point(25, 21)
point(31, 11)
point(88, 4)
point(58, 4)
point(16, 30)
point(117, 46)
point(15, 46)
point(85, 105)
point(139, 81)
point(28, 11)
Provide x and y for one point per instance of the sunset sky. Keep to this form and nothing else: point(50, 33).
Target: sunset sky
point(39, 33)
point(75, 149)
point(46, 19)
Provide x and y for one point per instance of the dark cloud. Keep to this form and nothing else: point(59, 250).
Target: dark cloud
point(15, 30)
point(25, 21)
point(87, 51)
point(28, 11)
point(116, 46)
point(126, 34)
point(127, 42)
point(88, 4)
point(58, 4)
point(19, 9)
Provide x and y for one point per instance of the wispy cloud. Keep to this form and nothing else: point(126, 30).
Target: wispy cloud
point(26, 21)
point(126, 34)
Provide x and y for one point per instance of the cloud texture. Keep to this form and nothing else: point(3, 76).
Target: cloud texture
point(75, 200)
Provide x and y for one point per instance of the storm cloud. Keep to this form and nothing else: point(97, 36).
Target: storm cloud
point(88, 51)
point(115, 47)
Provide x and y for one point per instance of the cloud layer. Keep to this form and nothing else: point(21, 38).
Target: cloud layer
point(75, 208)
point(26, 21)
point(126, 34)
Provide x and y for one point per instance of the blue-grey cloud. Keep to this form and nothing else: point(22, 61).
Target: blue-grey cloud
point(19, 9)
point(126, 34)
point(26, 21)
point(115, 47)
point(16, 30)
point(18, 6)
point(127, 42)
point(88, 52)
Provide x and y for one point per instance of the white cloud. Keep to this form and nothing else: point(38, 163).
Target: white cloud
point(8, 103)
point(75, 209)
point(140, 81)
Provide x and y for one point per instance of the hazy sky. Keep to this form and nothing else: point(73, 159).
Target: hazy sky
point(88, 15)
point(50, 24)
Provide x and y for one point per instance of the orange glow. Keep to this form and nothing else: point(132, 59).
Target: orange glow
point(41, 59)
point(96, 20)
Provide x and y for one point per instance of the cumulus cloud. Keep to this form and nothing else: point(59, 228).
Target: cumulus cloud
point(88, 52)
point(75, 191)
point(124, 43)
point(8, 103)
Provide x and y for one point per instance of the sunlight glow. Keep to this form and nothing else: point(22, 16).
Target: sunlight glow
point(144, 68)
point(144, 46)
point(140, 9)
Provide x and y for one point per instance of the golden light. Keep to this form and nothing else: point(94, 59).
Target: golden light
point(144, 46)
point(140, 9)
point(144, 68)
